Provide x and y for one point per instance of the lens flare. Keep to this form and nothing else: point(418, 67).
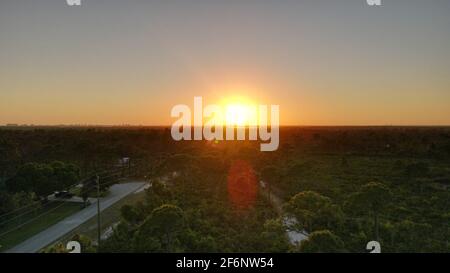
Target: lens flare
point(242, 184)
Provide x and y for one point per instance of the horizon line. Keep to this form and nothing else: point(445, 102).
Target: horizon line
point(287, 125)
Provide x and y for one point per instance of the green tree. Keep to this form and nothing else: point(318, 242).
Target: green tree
point(43, 179)
point(10, 157)
point(313, 211)
point(6, 203)
point(156, 195)
point(412, 237)
point(373, 197)
point(418, 169)
point(182, 165)
point(164, 222)
point(322, 241)
point(274, 236)
point(130, 214)
point(271, 175)
point(64, 175)
point(33, 177)
point(193, 241)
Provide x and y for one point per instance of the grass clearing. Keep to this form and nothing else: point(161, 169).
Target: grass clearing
point(50, 215)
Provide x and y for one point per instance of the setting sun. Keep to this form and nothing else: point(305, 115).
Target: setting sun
point(239, 114)
point(239, 111)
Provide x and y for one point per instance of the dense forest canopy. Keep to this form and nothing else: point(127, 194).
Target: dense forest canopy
point(345, 186)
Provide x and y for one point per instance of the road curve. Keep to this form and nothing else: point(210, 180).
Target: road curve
point(53, 233)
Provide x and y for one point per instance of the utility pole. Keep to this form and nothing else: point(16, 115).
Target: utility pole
point(97, 178)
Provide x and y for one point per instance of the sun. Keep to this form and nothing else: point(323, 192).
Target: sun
point(239, 111)
point(237, 114)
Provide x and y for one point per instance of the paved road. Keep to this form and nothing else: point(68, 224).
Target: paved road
point(53, 233)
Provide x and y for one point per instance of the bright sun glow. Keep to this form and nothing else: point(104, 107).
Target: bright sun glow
point(239, 111)
point(237, 114)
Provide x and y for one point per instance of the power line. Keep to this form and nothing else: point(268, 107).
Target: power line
point(67, 188)
point(74, 185)
point(32, 204)
point(45, 213)
point(31, 220)
point(31, 210)
point(48, 203)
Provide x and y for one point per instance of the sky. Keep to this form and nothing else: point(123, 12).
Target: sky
point(325, 62)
